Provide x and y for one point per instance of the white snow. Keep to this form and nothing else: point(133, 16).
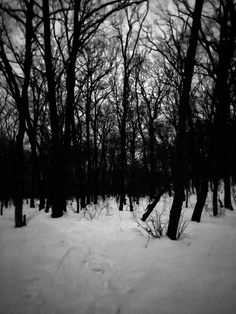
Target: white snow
point(104, 265)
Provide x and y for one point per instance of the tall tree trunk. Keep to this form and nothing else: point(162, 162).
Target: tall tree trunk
point(88, 153)
point(33, 179)
point(123, 142)
point(215, 196)
point(122, 164)
point(42, 200)
point(19, 172)
point(79, 173)
point(95, 177)
point(103, 170)
point(222, 143)
point(152, 158)
point(57, 197)
point(227, 197)
point(132, 182)
point(42, 182)
point(1, 207)
point(180, 162)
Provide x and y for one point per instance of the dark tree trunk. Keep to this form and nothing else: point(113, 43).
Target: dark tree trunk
point(57, 162)
point(96, 179)
point(33, 179)
point(227, 197)
point(180, 162)
point(215, 196)
point(81, 197)
point(123, 143)
point(152, 176)
point(132, 189)
point(79, 172)
point(42, 201)
point(77, 204)
point(58, 193)
point(42, 195)
point(32, 202)
point(19, 168)
point(81, 201)
point(1, 209)
point(131, 204)
point(122, 165)
point(156, 199)
point(227, 17)
point(20, 96)
point(88, 153)
point(202, 190)
point(48, 205)
point(103, 170)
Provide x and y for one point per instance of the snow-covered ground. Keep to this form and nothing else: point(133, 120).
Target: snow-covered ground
point(104, 265)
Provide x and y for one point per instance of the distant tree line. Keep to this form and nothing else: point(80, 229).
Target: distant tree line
point(128, 98)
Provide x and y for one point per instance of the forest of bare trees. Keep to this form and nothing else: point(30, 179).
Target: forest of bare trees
point(117, 97)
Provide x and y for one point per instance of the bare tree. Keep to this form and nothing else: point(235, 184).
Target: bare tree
point(18, 86)
point(128, 29)
point(180, 160)
point(78, 31)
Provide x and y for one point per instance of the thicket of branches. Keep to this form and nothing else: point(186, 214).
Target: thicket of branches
point(127, 98)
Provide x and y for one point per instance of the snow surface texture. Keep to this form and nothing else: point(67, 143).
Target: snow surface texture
point(103, 265)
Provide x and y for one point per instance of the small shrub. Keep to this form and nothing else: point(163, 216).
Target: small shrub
point(221, 212)
point(91, 212)
point(94, 211)
point(107, 207)
point(155, 226)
